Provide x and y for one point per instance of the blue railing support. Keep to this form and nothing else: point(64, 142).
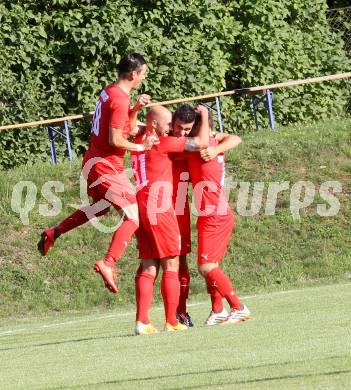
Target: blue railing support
point(63, 132)
point(217, 109)
point(267, 100)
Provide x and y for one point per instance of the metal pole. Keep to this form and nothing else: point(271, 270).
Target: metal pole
point(52, 146)
point(269, 106)
point(219, 114)
point(254, 106)
point(68, 141)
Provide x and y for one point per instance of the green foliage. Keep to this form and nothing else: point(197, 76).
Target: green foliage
point(56, 56)
point(284, 40)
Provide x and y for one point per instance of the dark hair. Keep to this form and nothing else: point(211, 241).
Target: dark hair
point(184, 113)
point(129, 63)
point(197, 123)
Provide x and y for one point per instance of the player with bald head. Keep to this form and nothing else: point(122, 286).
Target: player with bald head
point(159, 120)
point(158, 234)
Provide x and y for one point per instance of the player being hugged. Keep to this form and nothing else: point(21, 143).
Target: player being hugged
point(158, 234)
point(103, 166)
point(215, 221)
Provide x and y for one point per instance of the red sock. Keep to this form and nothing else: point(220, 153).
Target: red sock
point(136, 277)
point(216, 298)
point(184, 280)
point(144, 286)
point(220, 280)
point(120, 241)
point(170, 294)
point(74, 220)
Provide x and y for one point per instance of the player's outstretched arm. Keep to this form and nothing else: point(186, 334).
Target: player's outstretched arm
point(225, 143)
point(201, 141)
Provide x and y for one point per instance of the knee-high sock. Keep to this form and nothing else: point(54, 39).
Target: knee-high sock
point(144, 286)
point(120, 241)
point(136, 283)
point(220, 280)
point(216, 297)
point(74, 220)
point(184, 279)
point(170, 294)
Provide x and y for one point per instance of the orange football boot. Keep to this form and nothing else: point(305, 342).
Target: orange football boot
point(108, 274)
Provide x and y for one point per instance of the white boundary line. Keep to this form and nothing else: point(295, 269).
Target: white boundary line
point(10, 332)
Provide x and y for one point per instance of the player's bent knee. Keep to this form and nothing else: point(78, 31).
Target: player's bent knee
point(204, 269)
point(132, 212)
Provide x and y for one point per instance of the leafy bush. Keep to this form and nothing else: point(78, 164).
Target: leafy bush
point(56, 56)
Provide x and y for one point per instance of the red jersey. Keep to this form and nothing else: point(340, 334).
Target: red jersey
point(112, 110)
point(216, 220)
point(153, 169)
point(181, 200)
point(181, 176)
point(158, 234)
point(208, 180)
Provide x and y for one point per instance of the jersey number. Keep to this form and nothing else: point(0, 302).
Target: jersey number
point(139, 170)
point(220, 160)
point(96, 122)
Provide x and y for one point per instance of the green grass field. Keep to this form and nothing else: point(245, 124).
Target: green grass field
point(298, 339)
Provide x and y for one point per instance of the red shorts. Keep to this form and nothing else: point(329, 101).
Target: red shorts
point(214, 233)
point(109, 182)
point(158, 235)
point(184, 223)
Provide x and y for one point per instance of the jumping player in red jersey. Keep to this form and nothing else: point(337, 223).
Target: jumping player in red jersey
point(158, 233)
point(214, 230)
point(103, 166)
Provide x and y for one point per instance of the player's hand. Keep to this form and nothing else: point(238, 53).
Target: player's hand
point(138, 129)
point(209, 153)
point(150, 140)
point(202, 110)
point(142, 101)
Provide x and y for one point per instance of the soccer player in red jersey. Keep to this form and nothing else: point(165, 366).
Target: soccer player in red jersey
point(158, 234)
point(214, 230)
point(103, 166)
point(183, 120)
point(215, 225)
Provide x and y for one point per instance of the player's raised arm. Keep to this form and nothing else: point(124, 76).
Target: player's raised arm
point(200, 141)
point(133, 114)
point(139, 129)
point(116, 137)
point(225, 143)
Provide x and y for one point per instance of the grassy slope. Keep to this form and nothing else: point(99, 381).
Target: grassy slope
point(295, 340)
point(266, 253)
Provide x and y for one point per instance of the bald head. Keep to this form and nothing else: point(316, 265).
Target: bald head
point(159, 118)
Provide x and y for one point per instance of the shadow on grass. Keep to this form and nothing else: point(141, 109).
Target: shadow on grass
point(66, 342)
point(274, 378)
point(258, 380)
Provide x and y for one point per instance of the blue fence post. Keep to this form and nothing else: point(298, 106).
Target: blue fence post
point(55, 132)
point(219, 114)
point(267, 100)
point(254, 107)
point(68, 141)
point(52, 145)
point(269, 107)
